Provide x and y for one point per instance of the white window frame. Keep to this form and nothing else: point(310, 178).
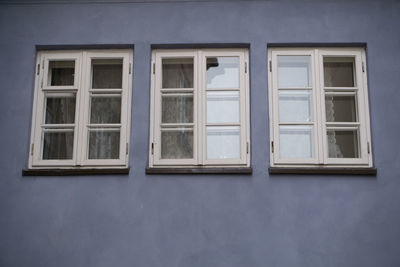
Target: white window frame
point(320, 154)
point(82, 90)
point(199, 108)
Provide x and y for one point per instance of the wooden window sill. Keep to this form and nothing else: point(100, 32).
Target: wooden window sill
point(67, 172)
point(217, 170)
point(333, 171)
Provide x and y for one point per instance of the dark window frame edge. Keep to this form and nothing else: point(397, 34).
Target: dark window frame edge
point(372, 171)
point(208, 170)
point(71, 172)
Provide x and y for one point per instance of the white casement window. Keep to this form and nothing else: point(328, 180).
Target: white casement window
point(81, 112)
point(319, 113)
point(200, 108)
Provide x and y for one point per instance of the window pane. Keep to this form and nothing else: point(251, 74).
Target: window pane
point(296, 141)
point(104, 144)
point(223, 72)
point(177, 109)
point(294, 71)
point(223, 142)
point(60, 109)
point(106, 73)
point(338, 72)
point(177, 73)
point(177, 144)
point(340, 108)
point(105, 109)
point(222, 106)
point(295, 106)
point(343, 144)
point(58, 145)
point(61, 73)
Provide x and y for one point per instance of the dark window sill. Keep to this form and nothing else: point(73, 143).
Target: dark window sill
point(351, 171)
point(65, 172)
point(231, 170)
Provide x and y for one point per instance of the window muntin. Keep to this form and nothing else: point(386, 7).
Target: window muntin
point(199, 108)
point(318, 100)
point(81, 109)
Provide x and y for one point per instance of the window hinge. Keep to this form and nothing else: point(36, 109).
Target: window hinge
point(38, 69)
point(245, 67)
point(32, 146)
point(362, 64)
point(270, 66)
point(272, 146)
point(154, 68)
point(247, 148)
point(130, 68)
point(368, 149)
point(152, 148)
point(127, 148)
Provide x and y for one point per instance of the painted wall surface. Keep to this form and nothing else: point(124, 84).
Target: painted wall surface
point(199, 220)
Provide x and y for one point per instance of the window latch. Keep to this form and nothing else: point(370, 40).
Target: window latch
point(245, 67)
point(127, 148)
point(130, 68)
point(247, 148)
point(152, 148)
point(154, 68)
point(368, 149)
point(363, 69)
point(38, 69)
point(272, 146)
point(270, 66)
point(32, 146)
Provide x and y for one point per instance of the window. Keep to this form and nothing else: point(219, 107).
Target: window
point(319, 108)
point(200, 108)
point(81, 109)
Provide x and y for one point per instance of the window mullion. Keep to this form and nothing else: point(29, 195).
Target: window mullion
point(320, 114)
point(200, 109)
point(81, 109)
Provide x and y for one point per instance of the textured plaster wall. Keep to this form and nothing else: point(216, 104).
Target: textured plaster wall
point(202, 220)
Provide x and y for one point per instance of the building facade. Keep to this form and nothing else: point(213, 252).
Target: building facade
point(284, 152)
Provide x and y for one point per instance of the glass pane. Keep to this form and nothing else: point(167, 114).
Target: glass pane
point(105, 109)
point(177, 73)
point(177, 109)
point(106, 73)
point(296, 141)
point(222, 106)
point(343, 144)
point(104, 144)
point(60, 109)
point(340, 108)
point(58, 145)
point(294, 71)
point(61, 73)
point(295, 106)
point(223, 142)
point(338, 72)
point(177, 144)
point(223, 72)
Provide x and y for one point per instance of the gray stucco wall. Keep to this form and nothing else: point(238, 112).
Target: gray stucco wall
point(203, 220)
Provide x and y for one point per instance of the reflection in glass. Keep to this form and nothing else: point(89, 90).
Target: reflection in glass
point(60, 109)
point(177, 108)
point(340, 108)
point(177, 73)
point(222, 72)
point(343, 144)
point(295, 106)
point(58, 145)
point(296, 141)
point(105, 109)
point(61, 73)
point(106, 73)
point(294, 71)
point(223, 142)
point(338, 72)
point(222, 106)
point(177, 144)
point(104, 144)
